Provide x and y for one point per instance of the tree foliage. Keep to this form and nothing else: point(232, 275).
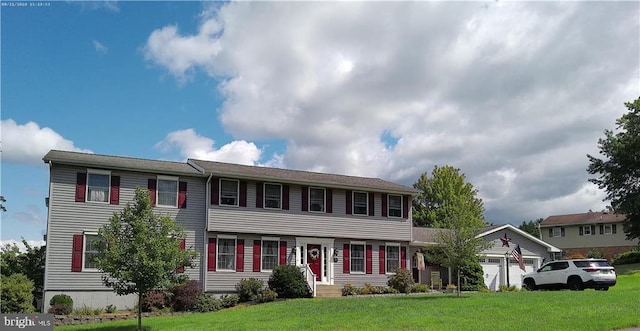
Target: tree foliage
point(444, 194)
point(17, 294)
point(140, 250)
point(619, 170)
point(29, 263)
point(531, 227)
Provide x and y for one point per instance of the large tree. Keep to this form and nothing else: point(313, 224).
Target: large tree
point(619, 170)
point(139, 251)
point(444, 194)
point(531, 227)
point(30, 263)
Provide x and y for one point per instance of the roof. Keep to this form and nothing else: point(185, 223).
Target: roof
point(300, 177)
point(582, 219)
point(120, 163)
point(423, 236)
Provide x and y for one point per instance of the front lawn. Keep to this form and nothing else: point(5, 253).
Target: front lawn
point(541, 310)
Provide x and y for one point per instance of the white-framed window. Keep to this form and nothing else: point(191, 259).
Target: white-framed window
point(98, 184)
point(360, 203)
point(229, 192)
point(226, 251)
point(394, 206)
point(270, 253)
point(90, 251)
point(357, 257)
point(316, 199)
point(392, 257)
point(558, 232)
point(608, 229)
point(586, 230)
point(272, 196)
point(167, 191)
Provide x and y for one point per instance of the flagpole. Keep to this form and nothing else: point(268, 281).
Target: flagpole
point(506, 259)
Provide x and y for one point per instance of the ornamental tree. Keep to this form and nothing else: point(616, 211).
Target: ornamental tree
point(619, 170)
point(140, 251)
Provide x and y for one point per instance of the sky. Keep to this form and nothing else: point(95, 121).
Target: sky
point(514, 94)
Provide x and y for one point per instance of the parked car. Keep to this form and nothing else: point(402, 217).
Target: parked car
point(575, 275)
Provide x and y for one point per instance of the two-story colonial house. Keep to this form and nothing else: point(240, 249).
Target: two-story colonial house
point(587, 232)
point(242, 220)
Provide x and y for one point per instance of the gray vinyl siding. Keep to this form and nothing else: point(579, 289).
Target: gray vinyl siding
point(359, 279)
point(67, 217)
point(573, 239)
point(296, 222)
point(528, 247)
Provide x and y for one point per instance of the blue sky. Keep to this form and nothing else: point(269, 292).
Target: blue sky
point(514, 94)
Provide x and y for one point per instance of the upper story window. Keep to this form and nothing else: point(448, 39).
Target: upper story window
point(229, 191)
point(273, 196)
point(316, 199)
point(167, 191)
point(392, 257)
point(395, 206)
point(91, 242)
point(608, 229)
point(587, 230)
point(226, 253)
point(98, 183)
point(360, 203)
point(556, 232)
point(357, 257)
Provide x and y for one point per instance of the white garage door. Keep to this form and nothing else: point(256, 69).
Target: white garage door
point(491, 269)
point(515, 273)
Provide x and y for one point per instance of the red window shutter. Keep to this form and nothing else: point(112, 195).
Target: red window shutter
point(211, 255)
point(403, 257)
point(182, 246)
point(285, 197)
point(81, 186)
point(369, 259)
point(405, 206)
point(283, 252)
point(329, 207)
point(182, 195)
point(240, 255)
point(372, 204)
point(346, 255)
point(151, 185)
point(76, 254)
point(381, 259)
point(215, 191)
point(259, 197)
point(384, 205)
point(257, 246)
point(349, 197)
point(243, 193)
point(305, 198)
point(114, 199)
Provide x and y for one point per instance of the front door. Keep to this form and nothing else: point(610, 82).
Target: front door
point(314, 258)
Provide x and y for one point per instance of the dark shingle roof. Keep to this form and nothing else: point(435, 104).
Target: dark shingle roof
point(300, 177)
point(120, 162)
point(584, 218)
point(426, 235)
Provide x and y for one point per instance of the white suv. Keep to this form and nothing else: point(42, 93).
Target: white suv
point(575, 275)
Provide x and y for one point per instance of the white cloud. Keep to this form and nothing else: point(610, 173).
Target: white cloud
point(192, 145)
point(515, 94)
point(99, 47)
point(21, 246)
point(28, 143)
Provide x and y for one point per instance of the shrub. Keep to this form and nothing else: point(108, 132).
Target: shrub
point(85, 311)
point(249, 289)
point(372, 289)
point(17, 294)
point(110, 309)
point(505, 288)
point(289, 282)
point(61, 298)
point(401, 281)
point(595, 254)
point(420, 288)
point(349, 289)
point(228, 301)
point(207, 303)
point(574, 256)
point(185, 296)
point(59, 309)
point(154, 300)
point(267, 295)
point(472, 275)
point(628, 257)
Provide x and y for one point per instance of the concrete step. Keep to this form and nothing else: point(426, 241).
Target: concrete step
point(328, 291)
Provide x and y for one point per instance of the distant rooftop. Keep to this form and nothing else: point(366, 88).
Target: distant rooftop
point(584, 218)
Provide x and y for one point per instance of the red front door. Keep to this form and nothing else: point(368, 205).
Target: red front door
point(314, 258)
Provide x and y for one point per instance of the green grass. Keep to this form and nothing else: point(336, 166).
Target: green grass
point(541, 310)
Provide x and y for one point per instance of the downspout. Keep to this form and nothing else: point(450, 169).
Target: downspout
point(46, 252)
point(206, 235)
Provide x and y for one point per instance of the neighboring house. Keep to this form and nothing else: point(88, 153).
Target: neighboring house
point(242, 220)
point(587, 232)
point(493, 260)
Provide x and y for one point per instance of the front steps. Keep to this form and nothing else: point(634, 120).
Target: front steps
point(328, 291)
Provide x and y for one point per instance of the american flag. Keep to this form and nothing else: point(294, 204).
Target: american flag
point(517, 255)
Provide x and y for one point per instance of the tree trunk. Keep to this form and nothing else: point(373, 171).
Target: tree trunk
point(458, 281)
point(139, 311)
